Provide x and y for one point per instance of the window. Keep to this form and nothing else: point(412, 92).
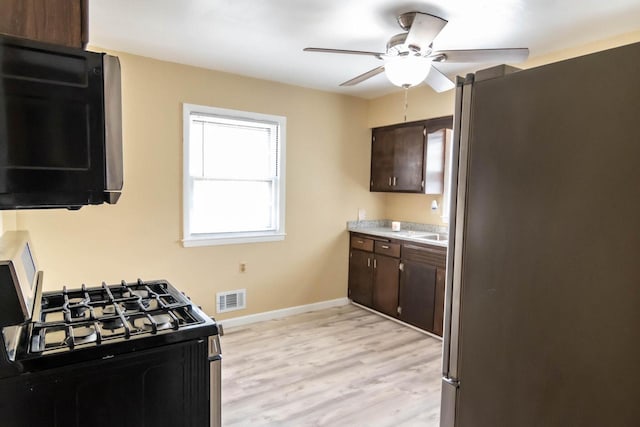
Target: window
point(446, 194)
point(233, 176)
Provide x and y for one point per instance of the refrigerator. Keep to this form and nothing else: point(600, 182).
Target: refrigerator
point(542, 312)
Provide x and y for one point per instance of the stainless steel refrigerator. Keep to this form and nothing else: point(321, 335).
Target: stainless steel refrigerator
point(542, 316)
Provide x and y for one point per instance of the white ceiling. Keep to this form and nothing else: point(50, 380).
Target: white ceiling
point(265, 38)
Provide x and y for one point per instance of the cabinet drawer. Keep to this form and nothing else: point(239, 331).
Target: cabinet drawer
point(362, 243)
point(428, 255)
point(386, 248)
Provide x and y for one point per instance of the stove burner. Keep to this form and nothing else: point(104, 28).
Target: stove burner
point(78, 306)
point(84, 335)
point(109, 310)
point(134, 304)
point(142, 293)
point(112, 323)
point(163, 321)
point(78, 310)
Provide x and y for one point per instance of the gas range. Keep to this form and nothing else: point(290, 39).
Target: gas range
point(70, 320)
point(62, 350)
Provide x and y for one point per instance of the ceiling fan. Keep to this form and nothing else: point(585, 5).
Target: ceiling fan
point(410, 59)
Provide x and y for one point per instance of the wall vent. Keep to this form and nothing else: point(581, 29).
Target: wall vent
point(231, 300)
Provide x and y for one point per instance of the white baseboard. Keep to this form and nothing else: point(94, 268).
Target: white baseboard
point(284, 312)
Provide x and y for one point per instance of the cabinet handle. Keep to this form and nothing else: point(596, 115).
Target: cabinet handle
point(360, 241)
point(394, 181)
point(368, 262)
point(389, 181)
point(375, 264)
point(385, 247)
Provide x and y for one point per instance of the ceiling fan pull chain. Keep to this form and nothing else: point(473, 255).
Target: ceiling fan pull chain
point(406, 102)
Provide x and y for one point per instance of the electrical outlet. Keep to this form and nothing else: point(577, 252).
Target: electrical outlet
point(243, 267)
point(362, 214)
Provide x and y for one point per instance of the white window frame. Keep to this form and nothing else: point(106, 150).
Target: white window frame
point(210, 239)
point(448, 159)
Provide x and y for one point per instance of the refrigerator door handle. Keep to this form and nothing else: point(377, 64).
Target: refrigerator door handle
point(460, 151)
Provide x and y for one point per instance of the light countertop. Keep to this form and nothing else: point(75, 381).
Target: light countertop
point(413, 232)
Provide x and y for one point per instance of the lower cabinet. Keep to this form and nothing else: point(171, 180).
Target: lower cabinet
point(421, 301)
point(374, 274)
point(385, 284)
point(400, 279)
point(360, 277)
point(417, 295)
point(438, 309)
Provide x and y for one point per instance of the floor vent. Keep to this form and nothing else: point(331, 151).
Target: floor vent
point(231, 300)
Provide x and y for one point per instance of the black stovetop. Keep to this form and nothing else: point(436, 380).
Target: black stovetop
point(69, 326)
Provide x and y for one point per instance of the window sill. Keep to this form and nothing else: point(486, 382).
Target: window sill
point(232, 240)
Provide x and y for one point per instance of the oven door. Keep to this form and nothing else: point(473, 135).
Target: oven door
point(160, 387)
point(215, 384)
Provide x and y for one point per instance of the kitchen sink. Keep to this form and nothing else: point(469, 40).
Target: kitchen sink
point(433, 238)
point(421, 235)
point(416, 234)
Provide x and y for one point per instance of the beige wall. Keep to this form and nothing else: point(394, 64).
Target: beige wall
point(424, 103)
point(328, 152)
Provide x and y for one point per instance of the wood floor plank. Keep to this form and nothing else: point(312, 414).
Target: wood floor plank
point(342, 366)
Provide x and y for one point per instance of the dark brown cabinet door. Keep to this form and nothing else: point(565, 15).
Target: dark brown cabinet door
point(361, 277)
point(61, 22)
point(386, 280)
point(438, 310)
point(397, 158)
point(409, 159)
point(417, 294)
point(382, 161)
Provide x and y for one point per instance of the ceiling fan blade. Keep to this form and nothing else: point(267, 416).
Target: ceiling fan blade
point(378, 55)
point(423, 30)
point(484, 55)
point(364, 76)
point(438, 81)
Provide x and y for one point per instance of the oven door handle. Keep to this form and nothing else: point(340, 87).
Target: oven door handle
point(215, 395)
point(215, 382)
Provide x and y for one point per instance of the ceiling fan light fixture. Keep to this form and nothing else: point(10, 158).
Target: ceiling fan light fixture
point(407, 70)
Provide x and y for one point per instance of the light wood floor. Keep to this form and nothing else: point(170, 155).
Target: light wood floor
point(342, 366)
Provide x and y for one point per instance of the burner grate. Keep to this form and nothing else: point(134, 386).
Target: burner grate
point(71, 319)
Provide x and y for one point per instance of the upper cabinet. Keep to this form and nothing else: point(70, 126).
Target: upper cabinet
point(61, 22)
point(409, 157)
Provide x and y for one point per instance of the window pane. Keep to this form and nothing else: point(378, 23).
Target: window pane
point(195, 148)
point(230, 206)
point(238, 152)
point(233, 190)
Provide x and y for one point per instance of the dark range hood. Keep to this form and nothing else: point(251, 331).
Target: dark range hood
point(60, 126)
